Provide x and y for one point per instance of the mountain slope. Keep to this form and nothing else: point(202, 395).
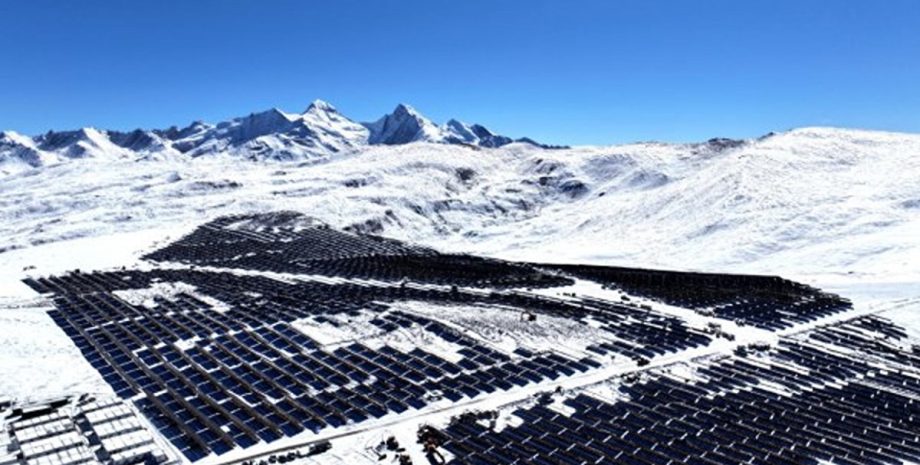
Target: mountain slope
point(406, 125)
point(20, 152)
point(456, 131)
point(810, 201)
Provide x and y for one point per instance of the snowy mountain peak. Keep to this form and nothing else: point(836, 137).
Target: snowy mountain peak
point(260, 124)
point(10, 140)
point(321, 106)
point(481, 131)
point(452, 123)
point(274, 115)
point(53, 140)
point(18, 152)
point(199, 125)
point(12, 137)
point(459, 131)
point(403, 126)
point(404, 109)
point(476, 134)
point(82, 143)
point(328, 131)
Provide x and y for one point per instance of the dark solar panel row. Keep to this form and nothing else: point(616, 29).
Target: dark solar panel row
point(311, 243)
point(871, 335)
point(767, 302)
point(647, 341)
point(319, 250)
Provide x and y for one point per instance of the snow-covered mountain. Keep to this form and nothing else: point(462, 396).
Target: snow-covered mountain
point(273, 134)
point(403, 126)
point(21, 152)
point(407, 125)
point(18, 152)
point(456, 131)
point(813, 201)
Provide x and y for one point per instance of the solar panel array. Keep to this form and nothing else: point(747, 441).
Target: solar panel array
point(227, 366)
point(799, 404)
point(214, 380)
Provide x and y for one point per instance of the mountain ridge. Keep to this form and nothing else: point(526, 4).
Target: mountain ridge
point(320, 131)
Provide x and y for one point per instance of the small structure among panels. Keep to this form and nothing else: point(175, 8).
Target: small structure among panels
point(67, 432)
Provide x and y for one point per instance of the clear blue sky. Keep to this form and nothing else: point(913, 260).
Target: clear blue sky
point(567, 71)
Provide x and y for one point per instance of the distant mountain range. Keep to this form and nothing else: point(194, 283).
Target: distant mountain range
point(319, 131)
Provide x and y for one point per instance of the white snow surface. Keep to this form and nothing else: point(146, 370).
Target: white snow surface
point(814, 204)
point(37, 359)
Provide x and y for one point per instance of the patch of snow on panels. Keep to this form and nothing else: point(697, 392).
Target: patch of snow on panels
point(415, 336)
point(339, 329)
point(145, 297)
point(584, 288)
point(215, 304)
point(608, 390)
point(503, 328)
point(507, 420)
point(169, 291)
point(692, 319)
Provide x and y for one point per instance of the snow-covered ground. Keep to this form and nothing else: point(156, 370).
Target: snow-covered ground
point(815, 202)
point(37, 359)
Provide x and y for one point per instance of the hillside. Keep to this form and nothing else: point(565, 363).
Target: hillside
point(808, 202)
